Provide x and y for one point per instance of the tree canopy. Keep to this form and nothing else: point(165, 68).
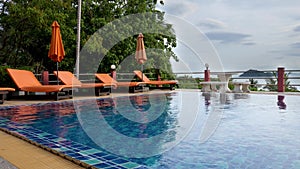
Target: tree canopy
point(25, 31)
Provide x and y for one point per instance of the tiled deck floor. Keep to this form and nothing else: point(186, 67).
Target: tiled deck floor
point(24, 155)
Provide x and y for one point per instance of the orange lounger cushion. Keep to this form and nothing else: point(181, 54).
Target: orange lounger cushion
point(26, 81)
point(8, 89)
point(68, 78)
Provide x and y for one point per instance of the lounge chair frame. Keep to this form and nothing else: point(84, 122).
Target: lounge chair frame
point(157, 83)
point(133, 87)
point(4, 92)
point(68, 78)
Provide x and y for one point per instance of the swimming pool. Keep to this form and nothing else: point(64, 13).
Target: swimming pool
point(170, 130)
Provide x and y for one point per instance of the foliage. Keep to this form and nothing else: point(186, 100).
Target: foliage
point(25, 31)
point(4, 78)
point(188, 82)
point(272, 83)
point(253, 86)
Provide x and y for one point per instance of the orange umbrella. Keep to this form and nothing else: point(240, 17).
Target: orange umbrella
point(140, 53)
point(56, 51)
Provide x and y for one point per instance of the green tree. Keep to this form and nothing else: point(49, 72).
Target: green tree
point(101, 44)
point(25, 31)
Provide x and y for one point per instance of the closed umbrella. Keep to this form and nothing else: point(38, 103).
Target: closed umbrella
point(140, 53)
point(56, 51)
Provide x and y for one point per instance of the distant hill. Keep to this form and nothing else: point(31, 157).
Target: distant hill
point(256, 73)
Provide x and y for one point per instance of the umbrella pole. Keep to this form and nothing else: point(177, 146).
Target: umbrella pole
point(57, 73)
point(142, 72)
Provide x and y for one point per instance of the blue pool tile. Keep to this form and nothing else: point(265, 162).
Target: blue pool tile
point(120, 167)
point(11, 128)
point(37, 131)
point(141, 167)
point(90, 151)
point(51, 145)
point(92, 161)
point(59, 140)
point(50, 137)
point(60, 149)
point(38, 140)
point(113, 167)
point(65, 142)
point(120, 161)
point(100, 154)
point(81, 157)
point(130, 165)
point(102, 165)
point(110, 157)
point(83, 148)
point(69, 153)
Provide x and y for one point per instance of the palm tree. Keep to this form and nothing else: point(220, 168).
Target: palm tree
point(253, 83)
point(272, 83)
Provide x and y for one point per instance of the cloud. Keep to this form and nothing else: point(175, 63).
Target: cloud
point(297, 29)
point(250, 29)
point(212, 24)
point(249, 43)
point(294, 54)
point(227, 37)
point(179, 8)
point(283, 54)
point(295, 45)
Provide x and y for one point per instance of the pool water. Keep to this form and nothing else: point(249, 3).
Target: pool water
point(177, 129)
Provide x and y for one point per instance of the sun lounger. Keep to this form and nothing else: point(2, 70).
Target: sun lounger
point(3, 92)
point(27, 82)
point(133, 86)
point(145, 79)
point(68, 78)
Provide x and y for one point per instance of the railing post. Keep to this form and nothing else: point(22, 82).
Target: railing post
point(113, 72)
point(206, 73)
point(158, 77)
point(280, 79)
point(45, 77)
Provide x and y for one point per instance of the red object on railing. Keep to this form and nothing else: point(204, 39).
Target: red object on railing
point(113, 74)
point(206, 75)
point(280, 80)
point(45, 77)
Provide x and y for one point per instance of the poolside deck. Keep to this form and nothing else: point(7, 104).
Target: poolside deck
point(24, 155)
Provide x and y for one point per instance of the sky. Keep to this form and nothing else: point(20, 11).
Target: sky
point(244, 34)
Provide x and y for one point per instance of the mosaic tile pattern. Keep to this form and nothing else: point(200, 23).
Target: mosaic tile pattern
point(79, 153)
